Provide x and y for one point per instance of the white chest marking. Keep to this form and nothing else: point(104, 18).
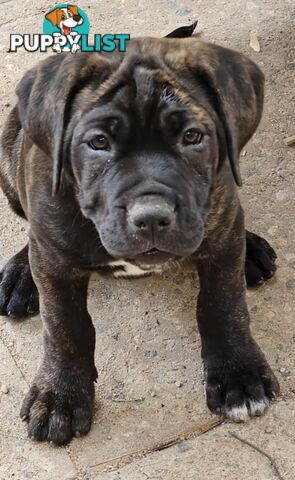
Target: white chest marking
point(128, 270)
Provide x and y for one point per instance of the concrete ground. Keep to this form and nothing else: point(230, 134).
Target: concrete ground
point(150, 389)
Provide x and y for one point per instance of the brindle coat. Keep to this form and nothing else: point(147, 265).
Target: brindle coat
point(124, 163)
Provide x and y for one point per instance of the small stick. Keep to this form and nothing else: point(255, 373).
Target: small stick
point(262, 452)
point(129, 457)
point(290, 141)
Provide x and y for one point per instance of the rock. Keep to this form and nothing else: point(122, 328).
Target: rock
point(268, 429)
point(4, 389)
point(150, 353)
point(281, 195)
point(183, 446)
point(172, 4)
point(254, 43)
point(290, 283)
point(184, 11)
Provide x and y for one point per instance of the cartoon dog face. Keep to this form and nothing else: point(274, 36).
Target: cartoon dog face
point(65, 18)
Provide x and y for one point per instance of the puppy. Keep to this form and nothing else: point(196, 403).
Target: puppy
point(124, 164)
point(65, 18)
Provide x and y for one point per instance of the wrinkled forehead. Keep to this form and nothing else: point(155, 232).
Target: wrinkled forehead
point(142, 88)
point(145, 92)
point(142, 92)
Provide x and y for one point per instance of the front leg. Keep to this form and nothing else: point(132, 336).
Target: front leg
point(60, 402)
point(239, 381)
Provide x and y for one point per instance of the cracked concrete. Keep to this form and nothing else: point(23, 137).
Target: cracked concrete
point(148, 356)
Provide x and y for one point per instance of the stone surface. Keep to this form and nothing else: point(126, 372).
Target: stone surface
point(216, 455)
point(148, 350)
point(21, 458)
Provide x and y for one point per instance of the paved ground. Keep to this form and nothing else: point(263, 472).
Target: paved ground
point(148, 351)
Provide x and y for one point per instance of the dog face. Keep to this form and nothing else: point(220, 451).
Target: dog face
point(145, 138)
point(144, 161)
point(65, 18)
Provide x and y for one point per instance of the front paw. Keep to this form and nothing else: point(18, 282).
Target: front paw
point(57, 48)
point(240, 390)
point(75, 48)
point(18, 293)
point(58, 408)
point(260, 260)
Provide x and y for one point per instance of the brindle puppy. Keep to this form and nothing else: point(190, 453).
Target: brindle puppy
point(126, 163)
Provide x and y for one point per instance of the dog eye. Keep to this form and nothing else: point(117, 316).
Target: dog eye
point(100, 142)
point(192, 136)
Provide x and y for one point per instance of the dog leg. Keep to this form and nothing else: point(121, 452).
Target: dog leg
point(18, 293)
point(59, 404)
point(239, 381)
point(260, 260)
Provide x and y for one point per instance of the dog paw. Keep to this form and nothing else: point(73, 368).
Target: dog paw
point(241, 393)
point(59, 410)
point(260, 260)
point(57, 48)
point(18, 293)
point(75, 48)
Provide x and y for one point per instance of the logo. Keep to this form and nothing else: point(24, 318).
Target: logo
point(66, 21)
point(66, 28)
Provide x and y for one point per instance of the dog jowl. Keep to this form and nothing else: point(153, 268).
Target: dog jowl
point(134, 167)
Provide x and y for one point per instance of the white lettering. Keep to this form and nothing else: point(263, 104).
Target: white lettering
point(16, 41)
point(31, 46)
point(45, 42)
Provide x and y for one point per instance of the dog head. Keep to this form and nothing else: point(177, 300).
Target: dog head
point(145, 137)
point(65, 18)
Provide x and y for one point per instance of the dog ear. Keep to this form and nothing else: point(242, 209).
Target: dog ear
point(45, 95)
point(182, 32)
point(236, 87)
point(73, 9)
point(52, 17)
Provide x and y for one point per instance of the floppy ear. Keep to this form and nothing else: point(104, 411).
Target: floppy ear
point(45, 95)
point(73, 9)
point(52, 17)
point(182, 32)
point(236, 88)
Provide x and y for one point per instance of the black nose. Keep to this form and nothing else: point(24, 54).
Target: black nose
point(77, 18)
point(151, 213)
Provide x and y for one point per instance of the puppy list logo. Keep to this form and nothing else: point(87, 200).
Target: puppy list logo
point(66, 23)
point(66, 28)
